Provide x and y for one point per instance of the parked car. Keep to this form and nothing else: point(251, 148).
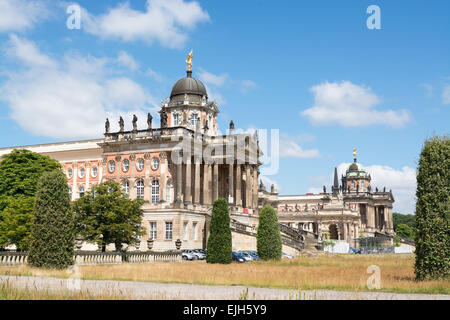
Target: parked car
point(287, 256)
point(199, 254)
point(246, 256)
point(186, 255)
point(236, 256)
point(254, 254)
point(355, 251)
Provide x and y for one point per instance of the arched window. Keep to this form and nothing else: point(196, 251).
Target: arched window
point(94, 172)
point(140, 189)
point(362, 184)
point(125, 165)
point(126, 187)
point(82, 172)
point(81, 191)
point(353, 184)
point(155, 191)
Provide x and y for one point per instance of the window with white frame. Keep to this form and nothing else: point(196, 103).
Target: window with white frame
point(194, 119)
point(168, 230)
point(82, 172)
point(176, 119)
point(94, 172)
point(362, 184)
point(125, 165)
point(140, 164)
point(155, 191)
point(152, 234)
point(81, 191)
point(126, 187)
point(140, 189)
point(69, 173)
point(111, 166)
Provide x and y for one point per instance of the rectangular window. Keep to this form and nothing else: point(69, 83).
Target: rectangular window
point(194, 231)
point(168, 230)
point(152, 234)
point(185, 231)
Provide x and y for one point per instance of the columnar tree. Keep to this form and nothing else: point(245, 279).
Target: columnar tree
point(19, 174)
point(106, 215)
point(433, 210)
point(269, 243)
point(53, 229)
point(219, 248)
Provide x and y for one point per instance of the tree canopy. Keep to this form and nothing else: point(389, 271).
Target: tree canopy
point(433, 210)
point(53, 229)
point(269, 242)
point(219, 248)
point(106, 215)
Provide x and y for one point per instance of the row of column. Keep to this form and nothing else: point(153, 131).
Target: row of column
point(210, 186)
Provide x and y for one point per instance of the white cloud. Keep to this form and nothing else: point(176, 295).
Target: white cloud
point(209, 78)
point(165, 21)
point(268, 183)
point(428, 89)
point(72, 98)
point(402, 182)
point(26, 52)
point(446, 95)
point(289, 148)
point(154, 75)
point(127, 61)
point(18, 15)
point(350, 105)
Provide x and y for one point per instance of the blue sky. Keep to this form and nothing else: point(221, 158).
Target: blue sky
point(311, 69)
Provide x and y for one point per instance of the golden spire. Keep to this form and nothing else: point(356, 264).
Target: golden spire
point(189, 61)
point(354, 153)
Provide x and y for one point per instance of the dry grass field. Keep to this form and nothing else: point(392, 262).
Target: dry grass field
point(333, 272)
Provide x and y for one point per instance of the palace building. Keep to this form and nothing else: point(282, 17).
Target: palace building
point(182, 166)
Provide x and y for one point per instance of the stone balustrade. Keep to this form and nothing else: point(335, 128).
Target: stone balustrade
point(98, 258)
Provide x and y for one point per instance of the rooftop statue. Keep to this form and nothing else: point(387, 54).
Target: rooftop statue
point(149, 121)
point(107, 126)
point(164, 118)
point(121, 124)
point(189, 61)
point(135, 119)
point(354, 154)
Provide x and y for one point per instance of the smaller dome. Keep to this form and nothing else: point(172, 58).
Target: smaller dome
point(353, 167)
point(188, 85)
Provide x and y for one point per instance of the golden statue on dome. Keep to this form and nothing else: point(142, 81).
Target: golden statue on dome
point(189, 61)
point(354, 153)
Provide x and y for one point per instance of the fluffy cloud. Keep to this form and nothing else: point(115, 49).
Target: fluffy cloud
point(350, 105)
point(127, 61)
point(18, 15)
point(165, 21)
point(289, 148)
point(209, 78)
point(446, 95)
point(402, 182)
point(70, 98)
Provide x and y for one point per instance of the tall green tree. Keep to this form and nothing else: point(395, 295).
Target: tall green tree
point(53, 229)
point(405, 231)
point(106, 215)
point(269, 243)
point(19, 174)
point(219, 247)
point(433, 210)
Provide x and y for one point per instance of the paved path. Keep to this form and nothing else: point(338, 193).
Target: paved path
point(150, 290)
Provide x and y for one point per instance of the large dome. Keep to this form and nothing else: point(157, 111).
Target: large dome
point(356, 169)
point(188, 85)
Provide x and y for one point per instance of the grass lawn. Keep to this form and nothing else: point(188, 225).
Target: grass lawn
point(333, 272)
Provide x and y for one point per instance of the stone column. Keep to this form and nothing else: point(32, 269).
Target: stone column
point(255, 187)
point(216, 182)
point(206, 185)
point(197, 181)
point(75, 186)
point(371, 217)
point(238, 184)
point(231, 183)
point(87, 168)
point(132, 175)
point(248, 184)
point(118, 168)
point(188, 186)
point(179, 180)
point(147, 181)
point(163, 181)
